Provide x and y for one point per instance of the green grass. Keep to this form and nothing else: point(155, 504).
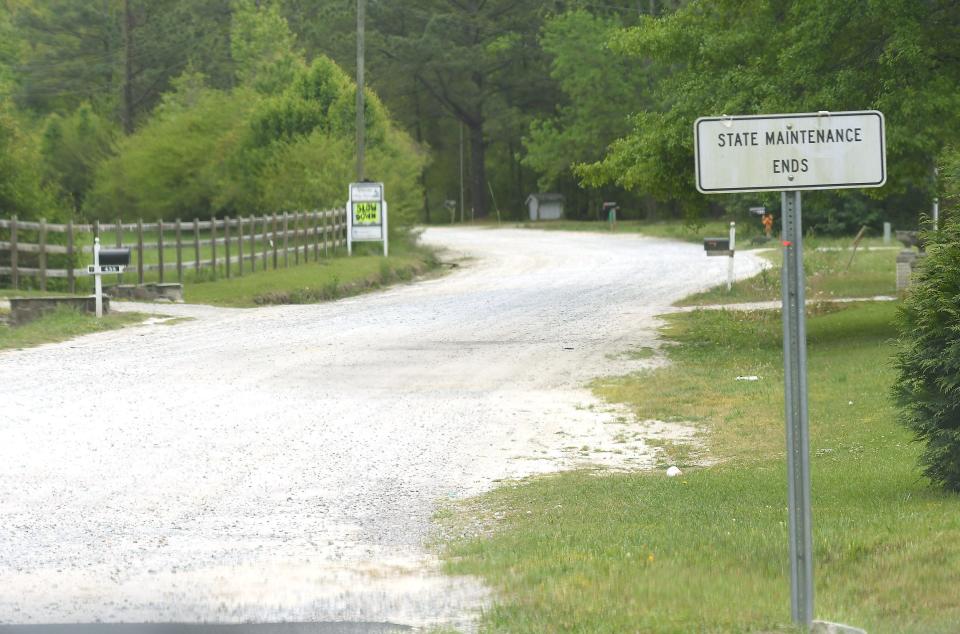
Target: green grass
point(871, 272)
point(673, 229)
point(151, 255)
point(707, 552)
point(308, 282)
point(315, 281)
point(63, 324)
point(9, 292)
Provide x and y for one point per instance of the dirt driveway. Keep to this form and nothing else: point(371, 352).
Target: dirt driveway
point(283, 463)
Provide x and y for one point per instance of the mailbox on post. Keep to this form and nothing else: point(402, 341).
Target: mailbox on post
point(106, 261)
point(717, 246)
point(114, 258)
point(723, 246)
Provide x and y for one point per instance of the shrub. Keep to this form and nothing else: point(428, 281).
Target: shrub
point(927, 388)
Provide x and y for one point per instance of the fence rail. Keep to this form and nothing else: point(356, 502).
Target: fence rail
point(243, 244)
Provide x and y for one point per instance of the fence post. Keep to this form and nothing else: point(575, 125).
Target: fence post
point(226, 243)
point(305, 233)
point(240, 244)
point(253, 244)
point(213, 245)
point(14, 272)
point(273, 240)
point(160, 247)
point(179, 253)
point(286, 240)
point(293, 237)
point(266, 243)
point(140, 251)
point(307, 218)
point(43, 254)
point(196, 248)
point(71, 280)
point(119, 235)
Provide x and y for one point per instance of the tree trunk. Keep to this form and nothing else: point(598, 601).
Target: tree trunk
point(478, 171)
point(419, 136)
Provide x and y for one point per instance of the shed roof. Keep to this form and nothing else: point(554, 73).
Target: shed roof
point(547, 197)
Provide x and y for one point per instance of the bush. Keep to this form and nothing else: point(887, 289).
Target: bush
point(181, 163)
point(207, 152)
point(927, 388)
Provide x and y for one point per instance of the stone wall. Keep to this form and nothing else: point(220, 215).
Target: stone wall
point(24, 309)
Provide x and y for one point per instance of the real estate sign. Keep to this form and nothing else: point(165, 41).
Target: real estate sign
point(366, 215)
point(790, 152)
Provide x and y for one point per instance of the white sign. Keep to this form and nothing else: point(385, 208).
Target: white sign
point(105, 268)
point(366, 192)
point(786, 152)
point(366, 215)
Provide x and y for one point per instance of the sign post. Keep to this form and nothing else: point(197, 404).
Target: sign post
point(791, 153)
point(795, 403)
point(733, 250)
point(366, 215)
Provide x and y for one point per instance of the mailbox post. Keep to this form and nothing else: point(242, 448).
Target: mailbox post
point(106, 261)
point(723, 246)
point(733, 250)
point(610, 210)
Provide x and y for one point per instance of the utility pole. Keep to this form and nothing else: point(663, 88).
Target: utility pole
point(127, 68)
point(361, 138)
point(461, 172)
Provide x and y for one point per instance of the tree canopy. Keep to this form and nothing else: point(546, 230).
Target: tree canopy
point(592, 98)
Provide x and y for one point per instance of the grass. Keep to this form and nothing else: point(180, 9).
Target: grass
point(60, 325)
point(188, 254)
point(316, 281)
point(673, 229)
point(872, 272)
point(707, 551)
point(9, 292)
point(308, 282)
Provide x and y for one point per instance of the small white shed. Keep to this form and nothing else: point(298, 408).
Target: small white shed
point(545, 206)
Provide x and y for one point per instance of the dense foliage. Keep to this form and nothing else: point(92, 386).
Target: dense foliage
point(229, 120)
point(928, 384)
point(735, 57)
point(22, 191)
point(592, 98)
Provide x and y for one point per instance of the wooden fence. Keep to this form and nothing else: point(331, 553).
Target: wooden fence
point(228, 246)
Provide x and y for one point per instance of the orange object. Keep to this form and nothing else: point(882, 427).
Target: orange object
point(767, 223)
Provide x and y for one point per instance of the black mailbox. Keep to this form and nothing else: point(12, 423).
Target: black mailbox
point(115, 257)
point(717, 246)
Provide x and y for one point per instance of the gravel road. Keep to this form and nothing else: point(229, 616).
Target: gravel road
point(283, 463)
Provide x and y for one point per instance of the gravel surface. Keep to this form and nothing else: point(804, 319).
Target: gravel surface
point(283, 463)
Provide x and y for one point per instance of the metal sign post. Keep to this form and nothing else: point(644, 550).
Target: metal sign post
point(795, 400)
point(733, 249)
point(790, 153)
